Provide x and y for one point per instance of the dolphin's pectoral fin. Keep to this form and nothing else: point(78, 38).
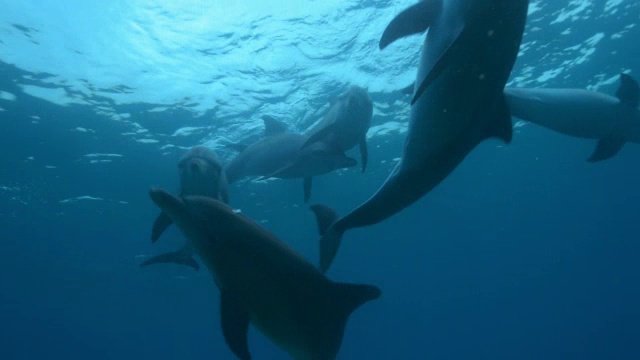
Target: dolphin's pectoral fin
point(331, 235)
point(413, 20)
point(236, 146)
point(443, 61)
point(629, 91)
point(235, 325)
point(364, 152)
point(180, 257)
point(318, 136)
point(273, 126)
point(163, 221)
point(308, 181)
point(606, 149)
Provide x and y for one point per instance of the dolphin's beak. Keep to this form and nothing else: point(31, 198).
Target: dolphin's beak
point(166, 201)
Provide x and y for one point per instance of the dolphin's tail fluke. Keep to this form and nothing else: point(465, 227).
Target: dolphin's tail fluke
point(330, 232)
point(180, 257)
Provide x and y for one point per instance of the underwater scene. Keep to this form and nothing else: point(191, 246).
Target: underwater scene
point(318, 180)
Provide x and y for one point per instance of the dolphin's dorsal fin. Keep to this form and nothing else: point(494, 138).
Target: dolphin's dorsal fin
point(273, 126)
point(413, 20)
point(606, 149)
point(235, 325)
point(629, 91)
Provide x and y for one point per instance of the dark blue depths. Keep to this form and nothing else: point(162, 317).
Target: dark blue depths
point(524, 252)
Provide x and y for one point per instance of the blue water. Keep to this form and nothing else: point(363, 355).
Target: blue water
point(525, 252)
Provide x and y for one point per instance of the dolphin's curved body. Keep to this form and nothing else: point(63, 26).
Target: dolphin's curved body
point(281, 154)
point(458, 101)
point(264, 282)
point(201, 173)
point(612, 120)
point(346, 124)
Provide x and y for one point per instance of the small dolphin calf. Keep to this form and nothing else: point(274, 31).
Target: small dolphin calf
point(263, 281)
point(346, 124)
point(280, 154)
point(612, 120)
point(201, 173)
point(458, 101)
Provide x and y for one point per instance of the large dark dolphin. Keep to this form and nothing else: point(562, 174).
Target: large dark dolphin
point(201, 173)
point(263, 281)
point(458, 101)
point(346, 124)
point(612, 120)
point(280, 154)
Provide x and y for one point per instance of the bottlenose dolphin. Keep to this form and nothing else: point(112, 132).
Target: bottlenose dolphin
point(263, 281)
point(458, 101)
point(280, 154)
point(612, 120)
point(346, 124)
point(201, 173)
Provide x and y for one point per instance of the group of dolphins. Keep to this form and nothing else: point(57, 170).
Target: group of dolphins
point(459, 99)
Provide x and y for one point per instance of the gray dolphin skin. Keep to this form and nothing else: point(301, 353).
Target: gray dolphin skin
point(458, 101)
point(612, 120)
point(201, 173)
point(264, 282)
point(346, 124)
point(280, 154)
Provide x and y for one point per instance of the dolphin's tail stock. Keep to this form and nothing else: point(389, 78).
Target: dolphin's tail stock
point(330, 232)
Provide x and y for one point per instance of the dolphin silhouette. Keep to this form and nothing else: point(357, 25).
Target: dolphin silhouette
point(458, 101)
point(264, 282)
point(280, 154)
point(612, 120)
point(346, 124)
point(201, 173)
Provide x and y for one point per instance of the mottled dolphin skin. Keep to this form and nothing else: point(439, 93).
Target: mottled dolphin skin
point(281, 154)
point(612, 120)
point(346, 124)
point(264, 282)
point(201, 173)
point(458, 101)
